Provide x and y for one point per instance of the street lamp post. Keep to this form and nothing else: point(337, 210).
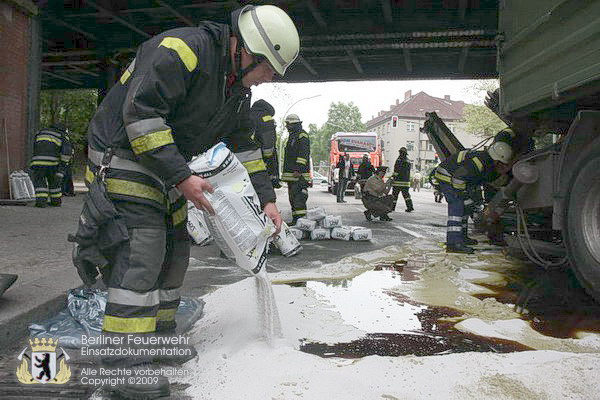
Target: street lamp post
point(298, 101)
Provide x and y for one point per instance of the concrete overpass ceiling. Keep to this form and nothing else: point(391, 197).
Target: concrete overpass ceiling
point(340, 39)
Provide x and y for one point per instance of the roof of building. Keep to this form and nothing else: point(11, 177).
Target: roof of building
point(415, 106)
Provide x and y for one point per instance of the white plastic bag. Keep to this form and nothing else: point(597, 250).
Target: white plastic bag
point(360, 234)
point(320, 234)
point(306, 224)
point(315, 214)
point(331, 221)
point(197, 226)
point(239, 226)
point(340, 233)
point(21, 186)
point(287, 242)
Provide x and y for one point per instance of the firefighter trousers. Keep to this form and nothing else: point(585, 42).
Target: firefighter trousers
point(405, 194)
point(298, 195)
point(146, 273)
point(47, 184)
point(459, 208)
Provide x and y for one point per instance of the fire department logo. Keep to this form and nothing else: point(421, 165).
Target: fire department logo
point(43, 359)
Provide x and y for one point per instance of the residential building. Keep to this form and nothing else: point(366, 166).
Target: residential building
point(400, 127)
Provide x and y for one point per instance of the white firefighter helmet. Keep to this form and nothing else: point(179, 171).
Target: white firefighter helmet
point(292, 119)
point(500, 151)
point(269, 32)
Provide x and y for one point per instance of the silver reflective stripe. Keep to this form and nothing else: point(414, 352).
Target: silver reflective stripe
point(265, 37)
point(443, 171)
point(454, 229)
point(41, 189)
point(51, 133)
point(249, 155)
point(454, 218)
point(268, 152)
point(145, 126)
point(169, 295)
point(56, 190)
point(45, 158)
point(458, 181)
point(468, 201)
point(95, 157)
point(131, 298)
point(174, 195)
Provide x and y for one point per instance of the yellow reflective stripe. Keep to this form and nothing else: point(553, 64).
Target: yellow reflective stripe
point(461, 156)
point(401, 183)
point(48, 138)
point(44, 163)
point(267, 118)
point(89, 175)
point(151, 141)
point(255, 166)
point(288, 177)
point(42, 194)
point(306, 175)
point(444, 178)
point(301, 160)
point(180, 215)
point(129, 188)
point(267, 153)
point(299, 212)
point(459, 185)
point(478, 164)
point(125, 76)
point(129, 325)
point(167, 314)
point(56, 195)
point(185, 53)
point(303, 135)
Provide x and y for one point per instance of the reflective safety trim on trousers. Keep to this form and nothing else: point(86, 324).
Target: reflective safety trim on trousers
point(299, 212)
point(48, 138)
point(454, 218)
point(267, 118)
point(255, 166)
point(151, 141)
point(301, 160)
point(57, 135)
point(249, 155)
point(128, 72)
point(268, 152)
point(400, 184)
point(129, 325)
point(167, 295)
point(56, 195)
point(131, 298)
point(37, 163)
point(454, 229)
point(180, 215)
point(185, 53)
point(41, 195)
point(167, 314)
point(478, 163)
point(135, 189)
point(44, 158)
point(119, 163)
point(461, 156)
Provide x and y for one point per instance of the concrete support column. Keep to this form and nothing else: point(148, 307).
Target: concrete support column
point(108, 77)
point(34, 83)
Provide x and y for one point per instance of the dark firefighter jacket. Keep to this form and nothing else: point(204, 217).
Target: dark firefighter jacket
point(51, 148)
point(173, 103)
point(365, 170)
point(401, 175)
point(466, 168)
point(262, 114)
point(297, 155)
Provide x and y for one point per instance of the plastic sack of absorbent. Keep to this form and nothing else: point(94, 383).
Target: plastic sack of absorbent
point(240, 227)
point(360, 233)
point(340, 233)
point(85, 312)
point(305, 224)
point(320, 234)
point(197, 226)
point(299, 234)
point(287, 242)
point(315, 214)
point(331, 221)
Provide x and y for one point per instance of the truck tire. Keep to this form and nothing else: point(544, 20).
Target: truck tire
point(583, 221)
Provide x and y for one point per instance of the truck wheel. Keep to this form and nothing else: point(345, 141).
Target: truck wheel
point(583, 222)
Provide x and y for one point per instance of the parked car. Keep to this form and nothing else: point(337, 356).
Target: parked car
point(319, 179)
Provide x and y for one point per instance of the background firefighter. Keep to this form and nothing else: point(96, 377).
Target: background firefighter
point(296, 169)
point(186, 90)
point(401, 179)
point(52, 151)
point(265, 133)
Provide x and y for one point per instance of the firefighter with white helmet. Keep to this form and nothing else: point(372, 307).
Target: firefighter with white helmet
point(186, 90)
point(460, 171)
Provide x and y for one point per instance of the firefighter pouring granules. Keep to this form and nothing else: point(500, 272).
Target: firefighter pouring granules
point(296, 168)
point(186, 90)
point(457, 175)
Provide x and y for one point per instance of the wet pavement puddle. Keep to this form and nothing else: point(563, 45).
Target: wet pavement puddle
point(396, 325)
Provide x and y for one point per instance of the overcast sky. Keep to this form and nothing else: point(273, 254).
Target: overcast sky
point(370, 96)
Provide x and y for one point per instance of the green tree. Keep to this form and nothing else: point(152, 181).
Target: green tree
point(74, 108)
point(479, 119)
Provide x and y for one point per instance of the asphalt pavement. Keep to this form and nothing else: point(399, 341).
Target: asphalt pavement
point(33, 245)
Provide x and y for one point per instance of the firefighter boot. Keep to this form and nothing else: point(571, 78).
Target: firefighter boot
point(188, 352)
point(56, 202)
point(459, 248)
point(155, 386)
point(368, 215)
point(469, 242)
point(409, 206)
point(41, 202)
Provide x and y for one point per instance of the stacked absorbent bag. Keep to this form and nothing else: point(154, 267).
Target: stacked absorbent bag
point(317, 225)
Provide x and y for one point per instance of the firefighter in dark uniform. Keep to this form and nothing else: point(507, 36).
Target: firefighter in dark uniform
point(401, 179)
point(51, 154)
point(296, 170)
point(186, 90)
point(266, 134)
point(459, 174)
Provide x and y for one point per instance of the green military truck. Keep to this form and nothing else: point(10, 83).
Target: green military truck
point(549, 70)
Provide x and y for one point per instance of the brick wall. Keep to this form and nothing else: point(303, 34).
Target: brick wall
point(14, 52)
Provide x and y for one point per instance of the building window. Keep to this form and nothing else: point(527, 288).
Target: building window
point(410, 126)
point(429, 146)
point(410, 145)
